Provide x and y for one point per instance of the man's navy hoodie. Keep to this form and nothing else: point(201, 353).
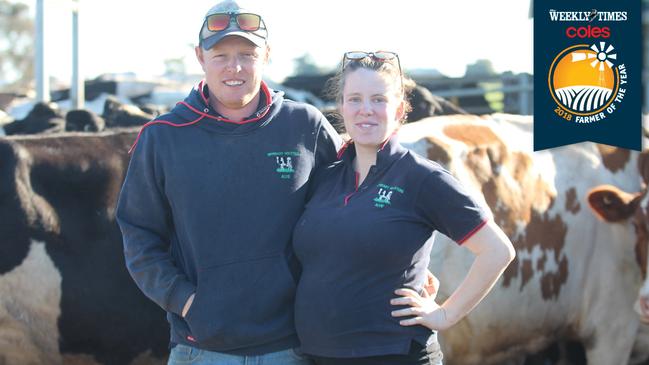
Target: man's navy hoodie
point(208, 207)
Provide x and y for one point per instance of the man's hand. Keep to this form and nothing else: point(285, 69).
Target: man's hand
point(188, 304)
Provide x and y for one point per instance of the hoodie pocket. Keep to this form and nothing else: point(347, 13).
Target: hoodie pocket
point(243, 303)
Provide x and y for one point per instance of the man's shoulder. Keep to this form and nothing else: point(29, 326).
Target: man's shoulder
point(159, 127)
point(298, 107)
point(168, 118)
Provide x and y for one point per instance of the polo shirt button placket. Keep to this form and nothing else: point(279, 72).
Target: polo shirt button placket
point(370, 174)
point(356, 188)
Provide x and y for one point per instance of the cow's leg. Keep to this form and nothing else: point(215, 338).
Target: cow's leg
point(613, 342)
point(17, 346)
point(640, 352)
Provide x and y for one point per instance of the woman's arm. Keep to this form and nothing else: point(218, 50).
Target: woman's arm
point(493, 252)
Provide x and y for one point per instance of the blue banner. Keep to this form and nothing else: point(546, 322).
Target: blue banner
point(587, 73)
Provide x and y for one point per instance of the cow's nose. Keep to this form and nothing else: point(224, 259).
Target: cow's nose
point(644, 308)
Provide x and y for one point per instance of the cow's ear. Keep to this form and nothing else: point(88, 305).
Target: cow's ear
point(643, 165)
point(612, 204)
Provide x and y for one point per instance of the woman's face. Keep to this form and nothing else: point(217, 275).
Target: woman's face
point(371, 107)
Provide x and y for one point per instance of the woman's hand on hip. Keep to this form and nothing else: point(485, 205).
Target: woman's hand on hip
point(422, 310)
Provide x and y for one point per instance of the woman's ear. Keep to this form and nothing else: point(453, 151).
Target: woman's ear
point(401, 110)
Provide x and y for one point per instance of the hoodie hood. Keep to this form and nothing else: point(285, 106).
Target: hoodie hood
point(196, 111)
point(196, 106)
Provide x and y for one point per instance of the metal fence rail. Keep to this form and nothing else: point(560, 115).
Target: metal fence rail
point(507, 92)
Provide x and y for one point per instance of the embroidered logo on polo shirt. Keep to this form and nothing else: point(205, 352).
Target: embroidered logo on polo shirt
point(384, 195)
point(284, 163)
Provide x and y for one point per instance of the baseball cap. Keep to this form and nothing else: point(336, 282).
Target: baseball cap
point(207, 39)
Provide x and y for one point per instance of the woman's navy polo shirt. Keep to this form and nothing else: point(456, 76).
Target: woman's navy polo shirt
point(358, 244)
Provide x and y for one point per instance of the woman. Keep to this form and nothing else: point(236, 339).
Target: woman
point(364, 233)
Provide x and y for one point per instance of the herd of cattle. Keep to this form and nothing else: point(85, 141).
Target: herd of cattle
point(46, 118)
point(577, 215)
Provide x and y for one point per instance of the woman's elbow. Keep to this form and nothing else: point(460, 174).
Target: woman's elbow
point(494, 244)
point(502, 245)
point(506, 253)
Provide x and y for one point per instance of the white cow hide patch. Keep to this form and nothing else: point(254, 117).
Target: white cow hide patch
point(30, 297)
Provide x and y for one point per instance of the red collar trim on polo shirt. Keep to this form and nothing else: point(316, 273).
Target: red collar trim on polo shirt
point(342, 149)
point(388, 139)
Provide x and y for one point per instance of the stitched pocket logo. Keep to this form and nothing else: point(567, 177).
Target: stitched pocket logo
point(284, 162)
point(384, 195)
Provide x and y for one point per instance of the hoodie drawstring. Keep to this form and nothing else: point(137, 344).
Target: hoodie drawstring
point(162, 122)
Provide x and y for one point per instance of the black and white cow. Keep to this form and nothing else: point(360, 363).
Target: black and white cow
point(65, 294)
point(43, 118)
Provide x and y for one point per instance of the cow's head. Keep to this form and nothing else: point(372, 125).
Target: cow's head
point(614, 205)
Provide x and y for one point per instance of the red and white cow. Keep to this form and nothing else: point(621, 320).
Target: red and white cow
point(642, 305)
point(573, 278)
point(614, 205)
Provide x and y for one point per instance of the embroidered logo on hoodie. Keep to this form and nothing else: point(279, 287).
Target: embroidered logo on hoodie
point(284, 162)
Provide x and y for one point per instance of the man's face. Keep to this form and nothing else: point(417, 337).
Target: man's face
point(233, 70)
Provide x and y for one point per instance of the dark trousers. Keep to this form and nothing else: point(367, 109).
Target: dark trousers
point(417, 356)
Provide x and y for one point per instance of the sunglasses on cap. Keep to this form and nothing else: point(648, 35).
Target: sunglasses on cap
point(380, 56)
point(245, 21)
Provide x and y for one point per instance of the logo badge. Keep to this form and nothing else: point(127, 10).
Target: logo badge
point(587, 74)
point(584, 82)
point(384, 195)
point(284, 163)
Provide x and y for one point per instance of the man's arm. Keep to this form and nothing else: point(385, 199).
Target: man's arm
point(328, 142)
point(144, 217)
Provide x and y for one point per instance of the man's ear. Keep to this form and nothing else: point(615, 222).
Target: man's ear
point(267, 54)
point(198, 50)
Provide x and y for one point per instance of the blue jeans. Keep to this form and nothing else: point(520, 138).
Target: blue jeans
point(183, 355)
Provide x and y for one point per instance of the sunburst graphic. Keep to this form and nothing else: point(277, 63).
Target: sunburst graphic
point(584, 79)
point(603, 56)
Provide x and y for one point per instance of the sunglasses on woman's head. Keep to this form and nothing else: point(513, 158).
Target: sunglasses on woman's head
point(381, 56)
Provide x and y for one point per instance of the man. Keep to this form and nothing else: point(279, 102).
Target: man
point(211, 196)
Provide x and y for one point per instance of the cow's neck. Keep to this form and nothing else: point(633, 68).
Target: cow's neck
point(365, 159)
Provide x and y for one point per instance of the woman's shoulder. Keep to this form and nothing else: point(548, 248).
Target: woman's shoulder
point(327, 172)
point(422, 165)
